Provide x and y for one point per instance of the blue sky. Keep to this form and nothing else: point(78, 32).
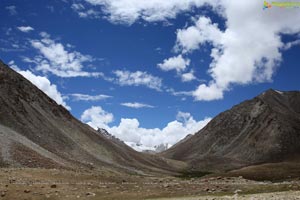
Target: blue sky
point(165, 68)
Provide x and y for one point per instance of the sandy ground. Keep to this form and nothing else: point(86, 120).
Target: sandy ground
point(38, 184)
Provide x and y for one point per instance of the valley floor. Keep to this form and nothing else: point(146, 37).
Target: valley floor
point(288, 195)
point(38, 184)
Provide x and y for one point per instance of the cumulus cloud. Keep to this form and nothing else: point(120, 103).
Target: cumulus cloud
point(187, 77)
point(86, 97)
point(55, 58)
point(43, 83)
point(96, 117)
point(129, 11)
point(177, 63)
point(130, 132)
point(248, 50)
point(208, 93)
point(136, 105)
point(203, 31)
point(25, 29)
point(138, 78)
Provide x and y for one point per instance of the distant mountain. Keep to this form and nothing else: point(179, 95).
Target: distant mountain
point(37, 132)
point(157, 149)
point(162, 147)
point(265, 129)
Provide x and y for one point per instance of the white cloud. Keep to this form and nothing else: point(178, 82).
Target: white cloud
point(129, 11)
point(179, 93)
point(25, 29)
point(83, 12)
point(138, 78)
point(86, 97)
point(187, 77)
point(248, 50)
point(203, 31)
point(96, 117)
point(208, 93)
point(43, 83)
point(13, 65)
point(12, 10)
point(177, 63)
point(130, 132)
point(289, 45)
point(77, 6)
point(136, 105)
point(45, 35)
point(54, 58)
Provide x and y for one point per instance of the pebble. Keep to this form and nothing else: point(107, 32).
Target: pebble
point(27, 191)
point(90, 194)
point(3, 194)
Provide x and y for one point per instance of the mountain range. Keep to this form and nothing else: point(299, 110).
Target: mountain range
point(37, 132)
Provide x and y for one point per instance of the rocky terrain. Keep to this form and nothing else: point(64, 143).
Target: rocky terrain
point(54, 184)
point(265, 129)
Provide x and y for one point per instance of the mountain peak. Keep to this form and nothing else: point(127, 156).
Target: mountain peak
point(270, 92)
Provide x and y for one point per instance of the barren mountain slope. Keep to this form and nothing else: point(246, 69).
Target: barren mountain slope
point(264, 129)
point(36, 132)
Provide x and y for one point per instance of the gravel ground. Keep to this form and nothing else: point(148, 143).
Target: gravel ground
point(56, 184)
point(288, 195)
